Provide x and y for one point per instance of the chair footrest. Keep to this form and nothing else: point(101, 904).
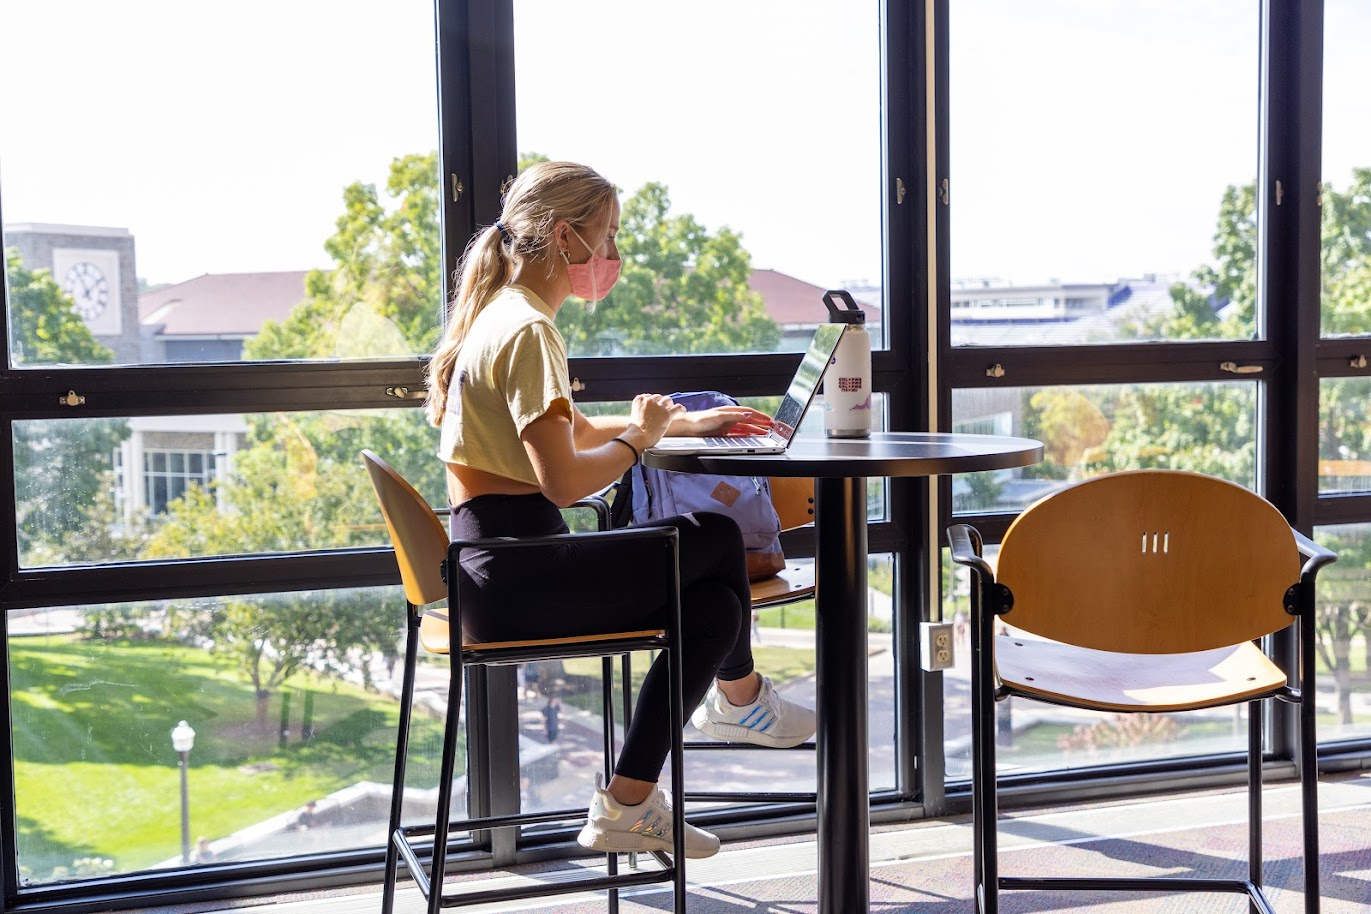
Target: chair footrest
point(750, 796)
point(717, 745)
point(461, 826)
point(568, 881)
point(1139, 884)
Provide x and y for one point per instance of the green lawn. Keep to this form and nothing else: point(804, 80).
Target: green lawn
point(96, 774)
point(795, 615)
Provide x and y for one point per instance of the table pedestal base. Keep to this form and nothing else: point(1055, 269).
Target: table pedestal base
point(841, 643)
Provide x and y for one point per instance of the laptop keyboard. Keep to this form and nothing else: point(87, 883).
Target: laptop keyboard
point(740, 441)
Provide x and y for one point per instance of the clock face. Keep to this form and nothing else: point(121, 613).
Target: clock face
point(88, 288)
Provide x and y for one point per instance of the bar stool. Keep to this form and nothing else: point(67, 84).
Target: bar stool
point(428, 568)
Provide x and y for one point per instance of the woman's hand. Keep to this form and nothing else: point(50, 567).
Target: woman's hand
point(721, 420)
point(652, 415)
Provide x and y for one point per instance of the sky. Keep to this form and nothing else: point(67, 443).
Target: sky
point(1091, 139)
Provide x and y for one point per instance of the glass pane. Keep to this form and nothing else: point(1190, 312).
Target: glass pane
point(1033, 736)
point(1343, 654)
point(287, 482)
point(1346, 170)
point(240, 205)
point(1208, 428)
point(1097, 196)
point(95, 693)
point(1344, 435)
point(724, 250)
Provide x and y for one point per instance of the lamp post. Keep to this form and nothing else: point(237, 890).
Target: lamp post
point(182, 740)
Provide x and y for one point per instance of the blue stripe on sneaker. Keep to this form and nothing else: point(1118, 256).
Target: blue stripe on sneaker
point(748, 719)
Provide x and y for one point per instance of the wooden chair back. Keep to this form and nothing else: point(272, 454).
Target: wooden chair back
point(1150, 562)
point(793, 499)
point(417, 534)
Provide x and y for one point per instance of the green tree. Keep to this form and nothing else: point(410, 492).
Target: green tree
point(1346, 257)
point(61, 466)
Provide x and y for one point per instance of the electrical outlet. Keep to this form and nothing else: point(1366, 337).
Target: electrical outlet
point(937, 646)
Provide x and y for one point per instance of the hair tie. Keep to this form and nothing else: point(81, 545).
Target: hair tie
point(504, 232)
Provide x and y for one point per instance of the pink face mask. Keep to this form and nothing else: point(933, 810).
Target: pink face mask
point(593, 279)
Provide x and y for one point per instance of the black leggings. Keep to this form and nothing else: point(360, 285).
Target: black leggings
point(592, 586)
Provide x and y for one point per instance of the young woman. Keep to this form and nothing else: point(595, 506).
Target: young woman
point(517, 449)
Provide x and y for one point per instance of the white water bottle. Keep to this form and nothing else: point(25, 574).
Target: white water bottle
point(847, 382)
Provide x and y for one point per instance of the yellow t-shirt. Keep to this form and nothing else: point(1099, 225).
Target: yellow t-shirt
point(511, 369)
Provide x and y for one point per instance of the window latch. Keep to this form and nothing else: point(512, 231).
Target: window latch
point(406, 393)
point(72, 398)
point(1235, 368)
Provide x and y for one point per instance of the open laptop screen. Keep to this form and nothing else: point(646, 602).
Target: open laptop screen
point(806, 381)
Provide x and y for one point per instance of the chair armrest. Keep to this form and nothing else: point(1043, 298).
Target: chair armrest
point(1316, 556)
point(966, 544)
point(598, 503)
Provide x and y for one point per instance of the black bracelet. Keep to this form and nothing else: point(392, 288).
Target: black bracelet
point(636, 456)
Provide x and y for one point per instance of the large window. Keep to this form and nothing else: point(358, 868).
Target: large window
point(1346, 273)
point(1102, 161)
point(747, 151)
point(182, 170)
point(227, 238)
point(96, 691)
point(1131, 239)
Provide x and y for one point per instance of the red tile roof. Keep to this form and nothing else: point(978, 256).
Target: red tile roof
point(222, 304)
point(793, 301)
point(237, 304)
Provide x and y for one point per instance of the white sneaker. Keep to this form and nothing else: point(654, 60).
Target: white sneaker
point(612, 827)
point(769, 720)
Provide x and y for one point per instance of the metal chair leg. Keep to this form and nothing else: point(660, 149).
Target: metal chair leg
point(1254, 795)
point(447, 770)
point(397, 790)
point(607, 715)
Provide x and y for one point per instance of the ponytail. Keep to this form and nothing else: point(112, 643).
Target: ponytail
point(484, 270)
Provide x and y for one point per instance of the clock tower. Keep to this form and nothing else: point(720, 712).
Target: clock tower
point(95, 266)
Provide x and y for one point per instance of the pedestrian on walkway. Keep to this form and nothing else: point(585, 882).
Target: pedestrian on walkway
point(552, 713)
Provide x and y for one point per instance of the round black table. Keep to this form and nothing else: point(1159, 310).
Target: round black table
point(840, 467)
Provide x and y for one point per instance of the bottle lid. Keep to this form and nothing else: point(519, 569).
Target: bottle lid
point(849, 313)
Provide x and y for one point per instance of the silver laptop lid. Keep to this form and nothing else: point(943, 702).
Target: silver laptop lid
point(805, 384)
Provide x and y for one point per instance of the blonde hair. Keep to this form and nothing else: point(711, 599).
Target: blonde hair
point(543, 195)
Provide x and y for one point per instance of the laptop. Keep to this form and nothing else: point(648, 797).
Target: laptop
point(798, 396)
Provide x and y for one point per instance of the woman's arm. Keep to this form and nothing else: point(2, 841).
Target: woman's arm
point(568, 470)
point(592, 431)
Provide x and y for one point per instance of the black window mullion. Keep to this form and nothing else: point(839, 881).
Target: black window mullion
point(902, 372)
point(456, 152)
point(84, 585)
point(1289, 246)
point(1288, 276)
point(1352, 508)
point(1121, 364)
point(186, 389)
